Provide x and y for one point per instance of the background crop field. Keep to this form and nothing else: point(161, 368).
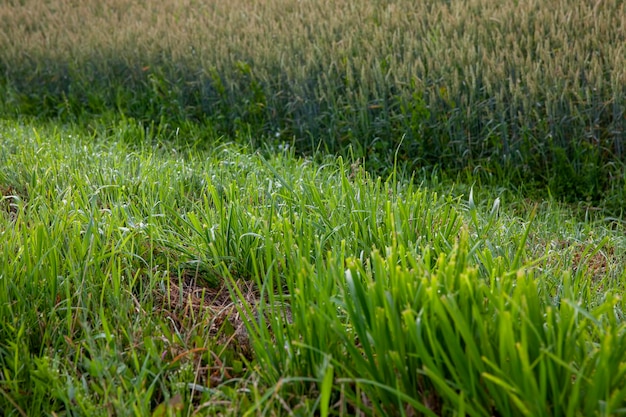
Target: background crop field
point(531, 91)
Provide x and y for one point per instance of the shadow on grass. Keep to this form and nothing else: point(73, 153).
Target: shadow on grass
point(395, 126)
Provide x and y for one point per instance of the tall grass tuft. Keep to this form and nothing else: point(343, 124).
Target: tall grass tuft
point(409, 330)
point(409, 302)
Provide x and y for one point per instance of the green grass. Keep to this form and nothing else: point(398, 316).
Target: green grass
point(144, 273)
point(313, 207)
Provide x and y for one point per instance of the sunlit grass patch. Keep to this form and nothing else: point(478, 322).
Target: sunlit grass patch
point(83, 328)
point(157, 277)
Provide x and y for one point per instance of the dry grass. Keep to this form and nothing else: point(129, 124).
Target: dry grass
point(9, 198)
point(189, 304)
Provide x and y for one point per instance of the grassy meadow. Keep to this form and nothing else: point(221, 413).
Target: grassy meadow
point(314, 207)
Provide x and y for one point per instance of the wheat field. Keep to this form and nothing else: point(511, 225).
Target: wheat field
point(535, 87)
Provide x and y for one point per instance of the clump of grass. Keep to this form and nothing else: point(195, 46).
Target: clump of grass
point(84, 325)
point(527, 91)
point(462, 321)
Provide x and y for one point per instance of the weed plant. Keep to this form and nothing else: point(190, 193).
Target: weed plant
point(158, 278)
point(525, 91)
